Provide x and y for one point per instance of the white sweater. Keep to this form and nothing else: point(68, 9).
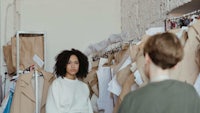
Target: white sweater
point(68, 96)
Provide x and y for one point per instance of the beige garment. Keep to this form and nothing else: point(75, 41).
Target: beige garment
point(95, 65)
point(133, 51)
point(110, 60)
point(196, 27)
point(7, 51)
point(24, 95)
point(92, 82)
point(123, 74)
point(29, 46)
point(184, 36)
point(120, 58)
point(187, 70)
point(139, 59)
point(140, 62)
point(126, 88)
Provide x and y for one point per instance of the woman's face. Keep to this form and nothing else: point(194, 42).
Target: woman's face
point(72, 66)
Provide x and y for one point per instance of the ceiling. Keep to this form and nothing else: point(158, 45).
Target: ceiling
point(186, 8)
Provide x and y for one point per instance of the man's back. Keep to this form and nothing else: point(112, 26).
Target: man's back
point(169, 96)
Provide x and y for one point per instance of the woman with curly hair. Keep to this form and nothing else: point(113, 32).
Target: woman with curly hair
point(67, 93)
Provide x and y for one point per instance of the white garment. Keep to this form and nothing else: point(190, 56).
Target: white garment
point(154, 30)
point(114, 86)
point(68, 96)
point(105, 101)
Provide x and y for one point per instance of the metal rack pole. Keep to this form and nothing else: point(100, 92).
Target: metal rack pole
point(35, 72)
point(36, 92)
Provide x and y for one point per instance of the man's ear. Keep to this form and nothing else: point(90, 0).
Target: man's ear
point(174, 67)
point(147, 58)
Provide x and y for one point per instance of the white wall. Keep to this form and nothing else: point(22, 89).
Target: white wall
point(68, 23)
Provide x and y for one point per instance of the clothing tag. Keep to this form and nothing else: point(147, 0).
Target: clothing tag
point(38, 60)
point(138, 78)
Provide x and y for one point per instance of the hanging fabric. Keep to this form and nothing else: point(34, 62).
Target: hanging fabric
point(29, 46)
point(7, 51)
point(182, 21)
point(24, 94)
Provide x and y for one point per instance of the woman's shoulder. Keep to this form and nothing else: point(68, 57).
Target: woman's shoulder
point(82, 83)
point(57, 81)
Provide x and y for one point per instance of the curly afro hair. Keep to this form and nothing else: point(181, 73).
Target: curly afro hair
point(63, 58)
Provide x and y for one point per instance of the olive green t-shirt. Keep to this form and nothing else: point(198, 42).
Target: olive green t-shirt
point(169, 96)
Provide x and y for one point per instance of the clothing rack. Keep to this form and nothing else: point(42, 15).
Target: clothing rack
point(35, 70)
point(111, 50)
point(179, 21)
point(106, 54)
point(36, 91)
point(186, 15)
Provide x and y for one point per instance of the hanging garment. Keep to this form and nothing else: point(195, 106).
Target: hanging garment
point(24, 95)
point(105, 101)
point(68, 96)
point(124, 71)
point(92, 81)
point(7, 52)
point(4, 103)
point(120, 58)
point(140, 62)
point(29, 47)
point(188, 70)
point(128, 86)
point(7, 109)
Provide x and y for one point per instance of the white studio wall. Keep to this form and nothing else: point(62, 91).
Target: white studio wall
point(69, 23)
